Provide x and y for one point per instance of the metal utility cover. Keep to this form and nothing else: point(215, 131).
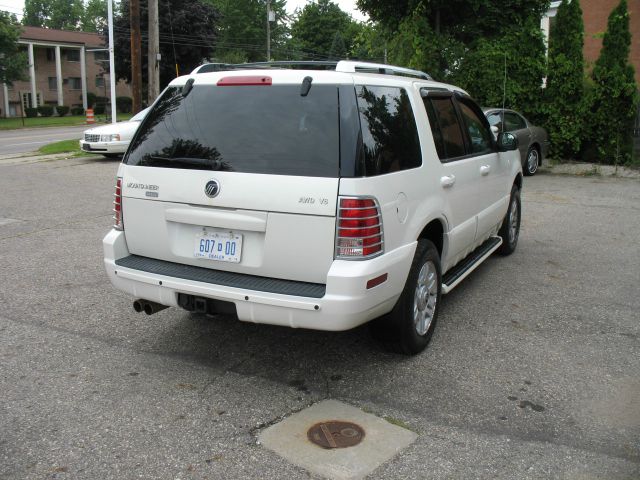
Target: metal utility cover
point(381, 441)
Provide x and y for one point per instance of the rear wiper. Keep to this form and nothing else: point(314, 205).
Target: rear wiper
point(182, 162)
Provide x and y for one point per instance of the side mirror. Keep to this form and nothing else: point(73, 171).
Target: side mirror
point(507, 142)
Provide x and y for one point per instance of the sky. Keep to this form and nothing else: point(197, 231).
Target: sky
point(349, 6)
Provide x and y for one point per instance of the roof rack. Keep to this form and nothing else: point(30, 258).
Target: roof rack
point(344, 66)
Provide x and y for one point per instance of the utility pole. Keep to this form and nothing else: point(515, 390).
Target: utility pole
point(112, 64)
point(153, 59)
point(136, 54)
point(268, 30)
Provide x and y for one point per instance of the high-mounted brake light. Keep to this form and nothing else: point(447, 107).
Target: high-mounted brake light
point(118, 224)
point(359, 228)
point(253, 80)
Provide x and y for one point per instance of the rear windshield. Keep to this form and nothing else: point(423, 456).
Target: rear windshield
point(252, 129)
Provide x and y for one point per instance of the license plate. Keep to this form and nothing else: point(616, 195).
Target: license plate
point(220, 246)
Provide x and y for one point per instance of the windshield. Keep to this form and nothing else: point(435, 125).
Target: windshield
point(254, 129)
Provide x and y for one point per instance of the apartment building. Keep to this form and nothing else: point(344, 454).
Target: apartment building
point(64, 66)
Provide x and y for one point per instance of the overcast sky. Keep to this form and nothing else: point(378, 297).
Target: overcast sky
point(349, 6)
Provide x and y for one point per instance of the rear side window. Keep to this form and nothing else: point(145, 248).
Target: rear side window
point(253, 129)
point(513, 121)
point(446, 129)
point(389, 131)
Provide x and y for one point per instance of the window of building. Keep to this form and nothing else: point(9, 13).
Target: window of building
point(101, 55)
point(100, 82)
point(73, 55)
point(75, 83)
point(53, 83)
point(51, 54)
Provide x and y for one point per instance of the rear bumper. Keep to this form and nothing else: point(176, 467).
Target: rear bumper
point(345, 304)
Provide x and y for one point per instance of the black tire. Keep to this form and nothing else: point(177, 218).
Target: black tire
point(507, 232)
point(398, 331)
point(111, 155)
point(532, 161)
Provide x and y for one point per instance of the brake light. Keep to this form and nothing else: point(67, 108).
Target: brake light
point(244, 80)
point(117, 206)
point(359, 228)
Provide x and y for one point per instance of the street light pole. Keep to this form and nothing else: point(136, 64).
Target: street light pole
point(112, 66)
point(268, 30)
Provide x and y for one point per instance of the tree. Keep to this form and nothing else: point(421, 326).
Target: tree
point(323, 31)
point(564, 95)
point(614, 98)
point(59, 14)
point(13, 60)
point(242, 30)
point(187, 37)
point(94, 17)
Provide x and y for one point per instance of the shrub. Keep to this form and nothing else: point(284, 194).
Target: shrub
point(98, 109)
point(77, 111)
point(564, 95)
point(91, 99)
point(45, 110)
point(62, 110)
point(31, 112)
point(613, 100)
point(123, 104)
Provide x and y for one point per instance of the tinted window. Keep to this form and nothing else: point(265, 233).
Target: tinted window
point(446, 128)
point(389, 132)
point(513, 121)
point(251, 129)
point(479, 135)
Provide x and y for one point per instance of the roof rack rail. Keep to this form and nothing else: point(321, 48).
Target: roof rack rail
point(350, 66)
point(344, 66)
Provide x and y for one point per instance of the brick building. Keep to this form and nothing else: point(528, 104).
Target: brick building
point(595, 14)
point(63, 67)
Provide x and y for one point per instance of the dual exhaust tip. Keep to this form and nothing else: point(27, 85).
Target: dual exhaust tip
point(147, 306)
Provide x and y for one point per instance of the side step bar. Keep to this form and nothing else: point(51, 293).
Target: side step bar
point(469, 263)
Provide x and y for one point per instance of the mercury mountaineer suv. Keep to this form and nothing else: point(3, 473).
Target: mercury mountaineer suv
point(317, 197)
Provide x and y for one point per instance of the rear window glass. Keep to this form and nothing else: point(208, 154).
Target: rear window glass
point(261, 129)
point(389, 131)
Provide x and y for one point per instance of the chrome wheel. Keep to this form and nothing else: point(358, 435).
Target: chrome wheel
point(425, 298)
point(532, 161)
point(513, 221)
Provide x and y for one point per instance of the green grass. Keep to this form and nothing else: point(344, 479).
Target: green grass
point(65, 146)
point(70, 120)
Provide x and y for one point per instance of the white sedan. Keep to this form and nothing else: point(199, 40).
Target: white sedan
point(111, 140)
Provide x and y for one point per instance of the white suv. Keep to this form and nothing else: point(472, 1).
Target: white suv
point(312, 198)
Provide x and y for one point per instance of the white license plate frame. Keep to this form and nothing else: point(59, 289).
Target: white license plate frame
point(218, 245)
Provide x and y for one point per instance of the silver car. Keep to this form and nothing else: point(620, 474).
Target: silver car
point(533, 142)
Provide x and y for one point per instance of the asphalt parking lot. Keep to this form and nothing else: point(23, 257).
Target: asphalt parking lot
point(533, 372)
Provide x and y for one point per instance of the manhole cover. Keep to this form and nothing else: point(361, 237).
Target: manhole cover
point(335, 434)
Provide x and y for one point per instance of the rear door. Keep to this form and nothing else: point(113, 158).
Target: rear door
point(241, 177)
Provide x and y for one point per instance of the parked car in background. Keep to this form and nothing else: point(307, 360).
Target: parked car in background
point(111, 140)
point(533, 142)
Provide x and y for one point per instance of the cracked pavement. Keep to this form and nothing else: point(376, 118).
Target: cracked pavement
point(532, 371)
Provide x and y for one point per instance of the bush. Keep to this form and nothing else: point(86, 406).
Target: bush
point(91, 99)
point(31, 112)
point(98, 109)
point(123, 104)
point(45, 110)
point(62, 110)
point(77, 111)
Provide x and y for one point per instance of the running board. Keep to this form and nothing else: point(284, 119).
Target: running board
point(469, 263)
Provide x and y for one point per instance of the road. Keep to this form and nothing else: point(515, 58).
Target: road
point(532, 371)
point(30, 139)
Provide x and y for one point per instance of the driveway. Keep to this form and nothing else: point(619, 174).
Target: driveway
point(532, 371)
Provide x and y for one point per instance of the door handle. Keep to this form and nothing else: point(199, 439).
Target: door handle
point(447, 181)
point(485, 169)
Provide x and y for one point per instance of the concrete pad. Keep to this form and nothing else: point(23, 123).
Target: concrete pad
point(381, 442)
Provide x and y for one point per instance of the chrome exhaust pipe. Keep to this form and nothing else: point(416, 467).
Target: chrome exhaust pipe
point(147, 306)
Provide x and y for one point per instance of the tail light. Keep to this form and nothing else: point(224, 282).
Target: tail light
point(359, 228)
point(118, 224)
